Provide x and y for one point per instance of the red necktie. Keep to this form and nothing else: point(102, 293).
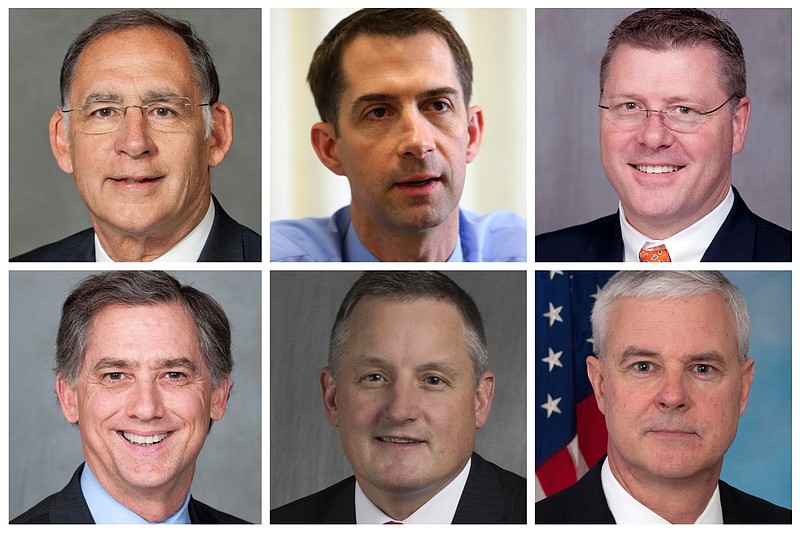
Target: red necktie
point(656, 254)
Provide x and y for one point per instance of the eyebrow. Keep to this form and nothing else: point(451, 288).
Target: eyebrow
point(370, 98)
point(445, 368)
point(115, 97)
point(114, 363)
point(634, 352)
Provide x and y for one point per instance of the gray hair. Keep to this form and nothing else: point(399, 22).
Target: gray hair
point(669, 285)
point(665, 29)
point(204, 70)
point(411, 286)
point(140, 288)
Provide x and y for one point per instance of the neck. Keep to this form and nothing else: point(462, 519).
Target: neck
point(661, 228)
point(154, 504)
point(147, 245)
point(404, 245)
point(680, 501)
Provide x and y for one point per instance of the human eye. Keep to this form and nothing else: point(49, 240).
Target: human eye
point(629, 107)
point(642, 367)
point(373, 377)
point(704, 370)
point(440, 106)
point(163, 109)
point(102, 111)
point(376, 113)
point(684, 111)
point(113, 378)
point(434, 381)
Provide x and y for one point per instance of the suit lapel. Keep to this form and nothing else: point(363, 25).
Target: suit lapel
point(736, 238)
point(607, 242)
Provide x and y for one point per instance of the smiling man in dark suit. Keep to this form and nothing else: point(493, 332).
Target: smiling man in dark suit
point(143, 369)
point(408, 386)
point(139, 127)
point(672, 377)
point(674, 110)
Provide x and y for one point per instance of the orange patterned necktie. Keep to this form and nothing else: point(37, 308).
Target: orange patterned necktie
point(656, 254)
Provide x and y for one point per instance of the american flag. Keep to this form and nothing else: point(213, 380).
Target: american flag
point(570, 431)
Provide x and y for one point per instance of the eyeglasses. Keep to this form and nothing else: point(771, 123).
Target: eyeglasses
point(682, 118)
point(169, 114)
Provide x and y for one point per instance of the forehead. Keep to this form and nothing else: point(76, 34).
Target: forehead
point(137, 59)
point(692, 324)
point(687, 69)
point(142, 332)
point(392, 327)
point(387, 63)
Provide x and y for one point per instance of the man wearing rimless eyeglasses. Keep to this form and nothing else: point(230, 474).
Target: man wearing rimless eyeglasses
point(673, 111)
point(140, 127)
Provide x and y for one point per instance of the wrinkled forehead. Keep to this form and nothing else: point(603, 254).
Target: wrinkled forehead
point(134, 60)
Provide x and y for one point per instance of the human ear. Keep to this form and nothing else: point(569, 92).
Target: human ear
point(221, 133)
point(483, 399)
point(740, 120)
point(324, 141)
point(219, 398)
point(475, 129)
point(67, 398)
point(594, 368)
point(328, 387)
point(59, 143)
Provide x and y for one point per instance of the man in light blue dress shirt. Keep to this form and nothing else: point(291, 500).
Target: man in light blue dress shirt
point(143, 368)
point(392, 87)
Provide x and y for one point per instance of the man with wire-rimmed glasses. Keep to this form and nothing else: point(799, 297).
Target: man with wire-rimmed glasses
point(673, 111)
point(139, 127)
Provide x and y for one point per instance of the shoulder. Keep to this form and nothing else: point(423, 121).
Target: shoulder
point(582, 503)
point(309, 239)
point(571, 244)
point(496, 236)
point(77, 247)
point(492, 495)
point(201, 513)
point(738, 507)
point(229, 240)
point(66, 506)
point(318, 508)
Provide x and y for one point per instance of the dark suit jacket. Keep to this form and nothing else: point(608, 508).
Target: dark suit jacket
point(69, 507)
point(744, 236)
point(585, 503)
point(228, 241)
point(491, 496)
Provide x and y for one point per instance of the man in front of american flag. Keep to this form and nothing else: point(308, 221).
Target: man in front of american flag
point(672, 376)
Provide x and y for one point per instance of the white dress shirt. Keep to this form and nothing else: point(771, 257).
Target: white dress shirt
point(438, 510)
point(187, 250)
point(628, 510)
point(687, 245)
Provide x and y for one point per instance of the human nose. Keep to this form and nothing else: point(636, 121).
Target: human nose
point(146, 401)
point(417, 136)
point(133, 134)
point(403, 403)
point(672, 394)
point(654, 132)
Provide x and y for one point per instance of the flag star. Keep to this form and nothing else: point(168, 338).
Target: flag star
point(551, 406)
point(554, 314)
point(554, 272)
point(553, 359)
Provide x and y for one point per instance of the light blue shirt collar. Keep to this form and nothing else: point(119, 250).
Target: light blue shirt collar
point(107, 510)
point(355, 251)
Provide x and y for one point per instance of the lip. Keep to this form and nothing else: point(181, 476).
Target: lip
point(657, 169)
point(135, 182)
point(145, 435)
point(401, 441)
point(672, 433)
point(419, 185)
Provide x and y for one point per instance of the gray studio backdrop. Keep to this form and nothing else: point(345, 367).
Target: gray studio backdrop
point(571, 186)
point(45, 450)
point(305, 451)
point(44, 206)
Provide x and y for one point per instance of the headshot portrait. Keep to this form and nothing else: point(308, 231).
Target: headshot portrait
point(647, 380)
point(135, 397)
point(398, 135)
point(407, 405)
point(663, 135)
point(122, 144)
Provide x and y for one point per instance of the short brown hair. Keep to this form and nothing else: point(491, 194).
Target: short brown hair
point(662, 29)
point(325, 75)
